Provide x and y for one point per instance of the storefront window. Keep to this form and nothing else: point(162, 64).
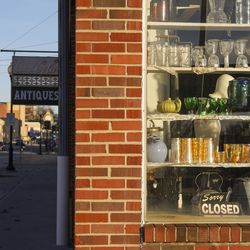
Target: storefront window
point(197, 133)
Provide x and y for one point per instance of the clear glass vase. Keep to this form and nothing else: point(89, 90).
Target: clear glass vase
point(217, 14)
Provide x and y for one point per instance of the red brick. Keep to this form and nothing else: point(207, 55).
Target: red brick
point(91, 240)
point(133, 206)
point(149, 233)
point(90, 81)
point(126, 125)
point(108, 137)
point(82, 183)
point(83, 3)
point(134, 47)
point(170, 233)
point(126, 37)
point(238, 247)
point(125, 103)
point(131, 172)
point(108, 25)
point(126, 59)
point(133, 92)
point(93, 149)
point(132, 229)
point(125, 239)
point(108, 183)
point(108, 114)
point(82, 25)
point(82, 69)
point(178, 247)
point(203, 234)
point(91, 217)
point(150, 247)
point(91, 172)
point(125, 195)
point(82, 229)
point(211, 247)
point(135, 4)
point(92, 58)
point(108, 47)
point(83, 137)
point(125, 14)
point(107, 248)
point(108, 160)
point(192, 233)
point(107, 206)
point(83, 160)
point(125, 217)
point(136, 137)
point(92, 125)
point(82, 92)
point(214, 233)
point(91, 194)
point(133, 70)
point(108, 70)
point(92, 36)
point(108, 92)
point(125, 81)
point(134, 160)
point(225, 234)
point(91, 13)
point(81, 114)
point(245, 233)
point(125, 149)
point(107, 228)
point(133, 183)
point(109, 3)
point(82, 206)
point(159, 233)
point(134, 25)
point(235, 233)
point(181, 233)
point(91, 103)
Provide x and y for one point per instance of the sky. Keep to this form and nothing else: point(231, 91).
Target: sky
point(25, 25)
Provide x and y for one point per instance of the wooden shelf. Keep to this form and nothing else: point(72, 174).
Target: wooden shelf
point(196, 70)
point(152, 165)
point(198, 26)
point(179, 117)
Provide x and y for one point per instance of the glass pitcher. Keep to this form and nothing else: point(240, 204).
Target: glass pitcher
point(217, 14)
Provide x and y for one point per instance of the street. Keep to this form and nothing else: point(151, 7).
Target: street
point(28, 202)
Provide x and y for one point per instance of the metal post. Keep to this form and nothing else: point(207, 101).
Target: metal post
point(40, 141)
point(10, 166)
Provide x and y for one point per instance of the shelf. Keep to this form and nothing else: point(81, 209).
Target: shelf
point(196, 70)
point(179, 117)
point(152, 166)
point(198, 26)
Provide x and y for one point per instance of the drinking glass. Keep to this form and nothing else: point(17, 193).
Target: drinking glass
point(222, 106)
point(211, 49)
point(191, 104)
point(213, 106)
point(203, 105)
point(184, 54)
point(239, 50)
point(226, 47)
point(199, 57)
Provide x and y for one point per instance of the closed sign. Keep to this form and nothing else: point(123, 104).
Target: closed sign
point(216, 204)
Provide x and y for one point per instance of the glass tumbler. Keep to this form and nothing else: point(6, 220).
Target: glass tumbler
point(184, 54)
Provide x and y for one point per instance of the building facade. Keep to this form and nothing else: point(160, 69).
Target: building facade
point(109, 187)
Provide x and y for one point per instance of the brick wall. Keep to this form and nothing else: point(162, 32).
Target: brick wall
point(108, 140)
point(108, 124)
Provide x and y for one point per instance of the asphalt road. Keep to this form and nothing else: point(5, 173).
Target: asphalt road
point(28, 202)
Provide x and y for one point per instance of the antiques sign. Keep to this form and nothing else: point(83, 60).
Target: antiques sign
point(34, 80)
point(217, 204)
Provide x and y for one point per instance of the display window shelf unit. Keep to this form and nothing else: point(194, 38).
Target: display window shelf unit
point(180, 188)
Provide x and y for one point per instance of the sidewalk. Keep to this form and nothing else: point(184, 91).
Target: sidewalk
point(28, 203)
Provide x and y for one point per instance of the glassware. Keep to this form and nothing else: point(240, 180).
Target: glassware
point(239, 50)
point(191, 104)
point(222, 106)
point(242, 11)
point(184, 54)
point(211, 49)
point(226, 47)
point(213, 106)
point(216, 14)
point(199, 57)
point(162, 10)
point(151, 54)
point(202, 105)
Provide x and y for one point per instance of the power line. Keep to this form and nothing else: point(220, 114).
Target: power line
point(36, 45)
point(32, 28)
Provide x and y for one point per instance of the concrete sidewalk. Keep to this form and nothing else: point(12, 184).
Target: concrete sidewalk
point(28, 203)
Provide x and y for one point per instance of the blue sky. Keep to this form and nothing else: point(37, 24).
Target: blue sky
point(23, 26)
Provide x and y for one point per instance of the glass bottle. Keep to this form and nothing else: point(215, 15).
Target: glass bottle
point(217, 14)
